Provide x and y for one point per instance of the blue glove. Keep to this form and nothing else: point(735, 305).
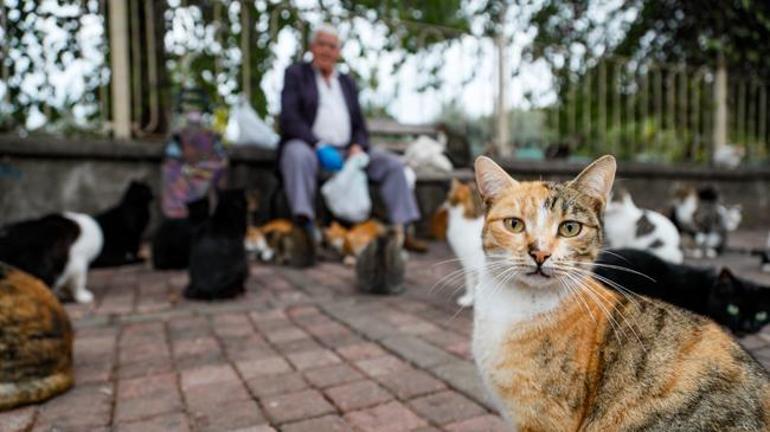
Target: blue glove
point(329, 157)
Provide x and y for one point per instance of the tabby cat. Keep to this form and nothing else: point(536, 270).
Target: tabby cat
point(381, 265)
point(560, 352)
point(35, 341)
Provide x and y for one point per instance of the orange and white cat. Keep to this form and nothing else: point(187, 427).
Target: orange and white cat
point(465, 221)
point(350, 242)
point(560, 352)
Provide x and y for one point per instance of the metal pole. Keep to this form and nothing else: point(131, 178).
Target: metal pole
point(119, 62)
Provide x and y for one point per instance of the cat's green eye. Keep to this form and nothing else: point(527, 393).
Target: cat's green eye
point(732, 310)
point(761, 316)
point(514, 225)
point(570, 228)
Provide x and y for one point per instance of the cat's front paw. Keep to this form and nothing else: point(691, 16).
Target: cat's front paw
point(84, 296)
point(766, 268)
point(711, 253)
point(466, 300)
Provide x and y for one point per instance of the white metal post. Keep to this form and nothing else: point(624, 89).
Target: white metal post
point(120, 81)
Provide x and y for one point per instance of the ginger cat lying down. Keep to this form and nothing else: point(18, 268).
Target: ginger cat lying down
point(559, 352)
point(350, 242)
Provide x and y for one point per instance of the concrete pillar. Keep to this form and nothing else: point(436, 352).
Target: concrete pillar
point(720, 108)
point(120, 81)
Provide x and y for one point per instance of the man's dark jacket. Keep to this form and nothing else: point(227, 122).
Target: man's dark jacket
point(299, 105)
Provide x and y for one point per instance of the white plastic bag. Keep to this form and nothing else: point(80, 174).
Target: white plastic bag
point(427, 155)
point(347, 193)
point(244, 127)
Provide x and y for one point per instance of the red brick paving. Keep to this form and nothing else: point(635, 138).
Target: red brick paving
point(300, 351)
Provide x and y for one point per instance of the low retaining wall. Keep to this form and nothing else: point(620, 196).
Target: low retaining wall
point(41, 176)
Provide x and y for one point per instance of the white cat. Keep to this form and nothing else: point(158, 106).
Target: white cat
point(628, 226)
point(464, 226)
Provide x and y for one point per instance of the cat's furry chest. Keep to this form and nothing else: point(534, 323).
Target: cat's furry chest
point(531, 361)
point(464, 236)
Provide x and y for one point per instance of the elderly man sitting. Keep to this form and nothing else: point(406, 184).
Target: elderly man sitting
point(320, 109)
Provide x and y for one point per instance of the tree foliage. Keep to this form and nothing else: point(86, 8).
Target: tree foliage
point(696, 32)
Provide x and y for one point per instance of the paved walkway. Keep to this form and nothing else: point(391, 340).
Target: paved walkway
point(300, 351)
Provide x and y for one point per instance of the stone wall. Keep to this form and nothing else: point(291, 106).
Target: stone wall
point(37, 177)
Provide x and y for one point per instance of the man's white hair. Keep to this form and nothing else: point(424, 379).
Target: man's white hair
point(325, 28)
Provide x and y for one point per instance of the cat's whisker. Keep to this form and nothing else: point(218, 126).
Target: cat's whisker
point(599, 301)
point(616, 267)
point(622, 315)
point(566, 283)
point(620, 288)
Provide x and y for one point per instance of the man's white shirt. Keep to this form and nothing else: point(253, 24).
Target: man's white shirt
point(332, 121)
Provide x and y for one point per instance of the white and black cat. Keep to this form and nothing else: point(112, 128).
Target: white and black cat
point(628, 226)
point(123, 225)
point(737, 303)
point(381, 265)
point(218, 262)
point(704, 219)
point(171, 242)
point(57, 249)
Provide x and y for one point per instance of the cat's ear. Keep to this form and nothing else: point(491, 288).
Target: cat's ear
point(491, 179)
point(726, 282)
point(455, 184)
point(726, 276)
point(596, 180)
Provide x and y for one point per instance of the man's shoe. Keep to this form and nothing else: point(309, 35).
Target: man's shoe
point(412, 244)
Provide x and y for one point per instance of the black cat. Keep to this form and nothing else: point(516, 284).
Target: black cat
point(40, 247)
point(172, 240)
point(736, 303)
point(218, 264)
point(123, 226)
point(381, 265)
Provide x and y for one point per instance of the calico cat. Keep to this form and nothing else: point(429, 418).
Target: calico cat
point(465, 222)
point(218, 265)
point(350, 242)
point(439, 223)
point(560, 352)
point(35, 341)
point(628, 226)
point(123, 225)
point(283, 242)
point(381, 265)
point(57, 248)
point(171, 242)
point(736, 303)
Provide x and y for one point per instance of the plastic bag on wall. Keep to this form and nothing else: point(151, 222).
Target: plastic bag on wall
point(244, 127)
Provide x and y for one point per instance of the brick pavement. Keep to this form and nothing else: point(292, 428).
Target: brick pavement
point(300, 351)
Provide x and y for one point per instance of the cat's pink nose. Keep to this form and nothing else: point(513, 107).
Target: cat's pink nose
point(539, 256)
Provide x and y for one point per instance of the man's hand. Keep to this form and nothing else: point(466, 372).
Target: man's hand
point(354, 150)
